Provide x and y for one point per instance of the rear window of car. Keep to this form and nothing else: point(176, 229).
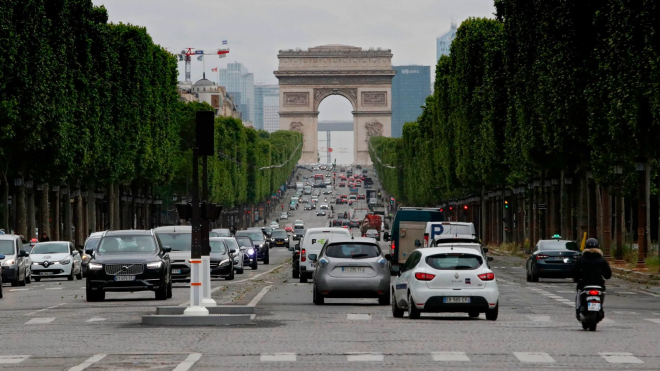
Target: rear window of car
point(177, 241)
point(559, 245)
point(352, 251)
point(454, 261)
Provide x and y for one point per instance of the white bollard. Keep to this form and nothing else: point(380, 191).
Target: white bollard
point(206, 283)
point(196, 284)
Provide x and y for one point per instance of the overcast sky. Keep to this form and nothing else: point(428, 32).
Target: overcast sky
point(257, 29)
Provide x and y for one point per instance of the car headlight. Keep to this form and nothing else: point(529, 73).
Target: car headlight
point(85, 258)
point(154, 265)
point(9, 262)
point(95, 266)
point(251, 251)
point(224, 262)
point(65, 261)
point(272, 239)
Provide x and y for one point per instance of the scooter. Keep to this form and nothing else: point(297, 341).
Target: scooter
point(591, 307)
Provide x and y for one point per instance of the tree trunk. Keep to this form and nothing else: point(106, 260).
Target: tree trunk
point(606, 211)
point(21, 212)
point(66, 202)
point(56, 220)
point(482, 216)
point(30, 215)
point(91, 211)
point(80, 228)
point(112, 209)
point(44, 212)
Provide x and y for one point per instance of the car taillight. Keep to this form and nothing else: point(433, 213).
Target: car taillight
point(393, 246)
point(303, 255)
point(487, 276)
point(594, 292)
point(541, 256)
point(424, 276)
point(426, 239)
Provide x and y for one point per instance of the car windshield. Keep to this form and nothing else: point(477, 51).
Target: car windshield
point(114, 245)
point(222, 233)
point(7, 247)
point(244, 241)
point(177, 241)
point(279, 234)
point(92, 243)
point(50, 248)
point(231, 243)
point(218, 247)
point(559, 245)
point(352, 251)
point(455, 261)
point(299, 230)
point(255, 236)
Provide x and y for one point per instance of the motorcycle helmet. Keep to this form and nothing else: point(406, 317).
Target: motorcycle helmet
point(592, 243)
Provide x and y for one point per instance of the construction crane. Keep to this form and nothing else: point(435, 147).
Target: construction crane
point(187, 53)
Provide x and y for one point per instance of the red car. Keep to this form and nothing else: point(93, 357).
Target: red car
point(343, 196)
point(342, 184)
point(344, 200)
point(289, 228)
point(358, 183)
point(361, 197)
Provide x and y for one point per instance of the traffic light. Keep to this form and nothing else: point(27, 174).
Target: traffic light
point(451, 208)
point(465, 207)
point(392, 201)
point(506, 204)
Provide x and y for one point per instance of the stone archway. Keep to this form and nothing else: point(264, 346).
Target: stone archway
point(364, 77)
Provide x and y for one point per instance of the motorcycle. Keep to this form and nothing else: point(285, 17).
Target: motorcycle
point(591, 307)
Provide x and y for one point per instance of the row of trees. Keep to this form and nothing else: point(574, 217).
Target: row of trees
point(92, 132)
point(546, 91)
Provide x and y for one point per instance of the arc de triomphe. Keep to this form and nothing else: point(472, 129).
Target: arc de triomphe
point(364, 77)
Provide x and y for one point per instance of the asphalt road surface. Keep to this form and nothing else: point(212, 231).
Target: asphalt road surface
point(49, 326)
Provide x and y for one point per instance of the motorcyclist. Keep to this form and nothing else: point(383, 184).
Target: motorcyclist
point(591, 269)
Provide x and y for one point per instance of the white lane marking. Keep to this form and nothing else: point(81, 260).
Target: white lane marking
point(260, 295)
point(539, 318)
point(624, 312)
point(566, 292)
point(53, 288)
point(278, 357)
point(358, 317)
point(620, 358)
point(90, 361)
point(96, 319)
point(534, 357)
point(623, 293)
point(40, 321)
point(12, 290)
point(12, 359)
point(569, 303)
point(565, 300)
point(607, 320)
point(364, 357)
point(450, 357)
point(654, 320)
point(188, 362)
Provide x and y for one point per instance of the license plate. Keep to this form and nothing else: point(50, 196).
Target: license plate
point(456, 299)
point(280, 243)
point(352, 269)
point(46, 273)
point(593, 307)
point(124, 278)
point(176, 271)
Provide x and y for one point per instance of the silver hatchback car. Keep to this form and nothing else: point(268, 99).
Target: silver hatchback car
point(351, 268)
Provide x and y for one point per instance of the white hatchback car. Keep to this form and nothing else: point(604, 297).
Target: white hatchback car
point(445, 279)
point(55, 259)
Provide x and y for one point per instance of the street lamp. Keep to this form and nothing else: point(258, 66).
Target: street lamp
point(64, 189)
point(640, 165)
point(18, 181)
point(29, 182)
point(175, 198)
point(75, 192)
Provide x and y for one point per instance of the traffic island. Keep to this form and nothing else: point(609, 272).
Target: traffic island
point(221, 315)
point(219, 309)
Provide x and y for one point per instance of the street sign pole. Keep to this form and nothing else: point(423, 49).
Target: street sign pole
point(204, 132)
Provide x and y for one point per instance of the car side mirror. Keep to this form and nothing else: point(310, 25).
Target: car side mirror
point(485, 249)
point(528, 252)
point(312, 257)
point(74, 253)
point(232, 251)
point(388, 257)
point(418, 243)
point(167, 249)
point(23, 254)
point(489, 258)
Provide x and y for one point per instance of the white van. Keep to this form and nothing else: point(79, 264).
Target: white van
point(445, 229)
point(312, 244)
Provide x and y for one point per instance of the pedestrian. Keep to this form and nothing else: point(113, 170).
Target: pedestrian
point(44, 237)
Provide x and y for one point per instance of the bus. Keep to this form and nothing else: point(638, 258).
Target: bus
point(319, 180)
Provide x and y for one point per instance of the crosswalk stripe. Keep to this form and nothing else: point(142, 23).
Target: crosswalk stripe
point(12, 359)
point(53, 288)
point(620, 358)
point(654, 320)
point(96, 319)
point(88, 362)
point(188, 362)
point(278, 357)
point(534, 357)
point(12, 290)
point(539, 318)
point(450, 357)
point(358, 316)
point(364, 357)
point(40, 321)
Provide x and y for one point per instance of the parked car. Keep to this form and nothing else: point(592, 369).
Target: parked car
point(445, 279)
point(56, 259)
point(15, 264)
point(128, 261)
point(351, 268)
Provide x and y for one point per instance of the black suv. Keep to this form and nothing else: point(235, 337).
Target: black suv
point(127, 261)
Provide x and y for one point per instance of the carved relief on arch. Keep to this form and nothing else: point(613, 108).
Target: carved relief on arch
point(296, 126)
point(374, 129)
point(348, 93)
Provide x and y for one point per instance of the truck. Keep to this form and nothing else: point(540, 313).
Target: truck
point(371, 193)
point(368, 182)
point(371, 221)
point(408, 233)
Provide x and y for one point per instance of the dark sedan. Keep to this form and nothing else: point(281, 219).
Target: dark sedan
point(552, 259)
point(127, 261)
point(354, 223)
point(249, 251)
point(279, 238)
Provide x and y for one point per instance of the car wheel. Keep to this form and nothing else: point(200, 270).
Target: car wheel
point(473, 314)
point(413, 312)
point(169, 289)
point(92, 295)
point(254, 265)
point(14, 282)
point(70, 276)
point(37, 279)
point(240, 270)
point(267, 259)
point(534, 276)
point(585, 325)
point(231, 276)
point(295, 273)
point(491, 314)
point(303, 278)
point(318, 298)
point(529, 277)
point(161, 292)
point(384, 299)
point(0, 290)
point(396, 311)
point(79, 276)
point(22, 282)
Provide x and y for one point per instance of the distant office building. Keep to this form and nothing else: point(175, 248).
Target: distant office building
point(410, 87)
point(240, 85)
point(266, 107)
point(443, 42)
